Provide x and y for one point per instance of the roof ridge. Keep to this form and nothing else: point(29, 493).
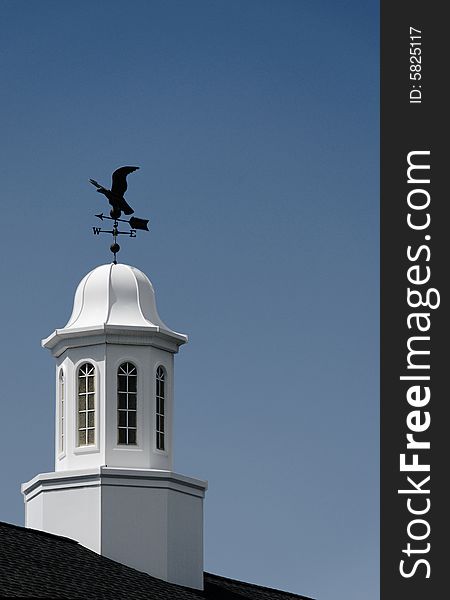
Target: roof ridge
point(215, 585)
point(256, 585)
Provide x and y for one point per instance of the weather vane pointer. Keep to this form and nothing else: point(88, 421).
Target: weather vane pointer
point(116, 199)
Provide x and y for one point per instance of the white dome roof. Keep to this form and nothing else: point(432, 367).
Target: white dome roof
point(114, 297)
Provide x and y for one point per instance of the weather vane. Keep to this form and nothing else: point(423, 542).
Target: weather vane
point(119, 205)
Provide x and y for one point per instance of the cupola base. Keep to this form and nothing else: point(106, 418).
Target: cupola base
point(147, 519)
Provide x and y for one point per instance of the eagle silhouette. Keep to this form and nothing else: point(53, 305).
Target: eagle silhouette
point(117, 191)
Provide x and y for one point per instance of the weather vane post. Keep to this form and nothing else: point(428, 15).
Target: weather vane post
point(116, 199)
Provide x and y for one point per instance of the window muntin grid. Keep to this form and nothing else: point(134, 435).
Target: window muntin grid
point(126, 404)
point(62, 408)
point(86, 405)
point(160, 408)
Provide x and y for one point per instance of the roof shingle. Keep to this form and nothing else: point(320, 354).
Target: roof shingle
point(35, 564)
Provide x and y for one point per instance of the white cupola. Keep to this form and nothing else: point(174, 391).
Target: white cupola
point(113, 488)
point(112, 357)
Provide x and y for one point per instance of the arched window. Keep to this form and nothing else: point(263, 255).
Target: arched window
point(126, 403)
point(61, 410)
point(86, 405)
point(160, 407)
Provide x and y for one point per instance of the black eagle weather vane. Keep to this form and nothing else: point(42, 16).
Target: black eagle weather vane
point(116, 199)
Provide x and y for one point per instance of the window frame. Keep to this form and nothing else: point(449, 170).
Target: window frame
point(127, 411)
point(158, 414)
point(62, 412)
point(83, 448)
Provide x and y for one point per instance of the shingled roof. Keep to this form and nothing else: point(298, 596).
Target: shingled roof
point(35, 564)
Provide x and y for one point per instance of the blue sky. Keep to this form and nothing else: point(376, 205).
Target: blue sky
point(255, 124)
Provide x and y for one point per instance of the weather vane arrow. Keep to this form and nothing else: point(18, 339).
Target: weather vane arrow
point(134, 222)
point(116, 199)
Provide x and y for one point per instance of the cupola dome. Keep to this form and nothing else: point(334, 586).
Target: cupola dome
point(115, 295)
point(114, 298)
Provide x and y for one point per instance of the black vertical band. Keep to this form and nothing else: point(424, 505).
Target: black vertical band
point(415, 331)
